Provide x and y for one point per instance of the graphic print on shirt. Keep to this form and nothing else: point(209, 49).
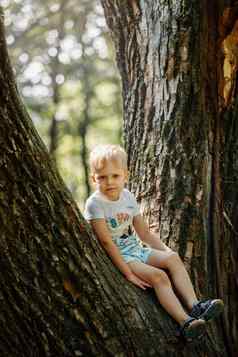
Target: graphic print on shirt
point(121, 219)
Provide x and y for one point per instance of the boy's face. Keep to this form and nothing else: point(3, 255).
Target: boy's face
point(110, 179)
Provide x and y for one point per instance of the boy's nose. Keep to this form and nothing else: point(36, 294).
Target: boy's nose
point(109, 179)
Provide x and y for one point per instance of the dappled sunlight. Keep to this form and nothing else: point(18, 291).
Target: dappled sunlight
point(67, 76)
point(230, 47)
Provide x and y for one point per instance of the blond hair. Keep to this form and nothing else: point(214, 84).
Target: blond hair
point(102, 153)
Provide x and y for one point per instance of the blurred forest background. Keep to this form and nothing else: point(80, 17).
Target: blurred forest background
point(63, 60)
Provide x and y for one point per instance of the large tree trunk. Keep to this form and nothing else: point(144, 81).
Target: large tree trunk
point(178, 63)
point(60, 294)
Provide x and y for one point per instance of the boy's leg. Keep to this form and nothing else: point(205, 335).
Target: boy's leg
point(164, 291)
point(179, 275)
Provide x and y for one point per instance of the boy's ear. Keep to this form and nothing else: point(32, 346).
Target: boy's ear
point(93, 178)
point(126, 175)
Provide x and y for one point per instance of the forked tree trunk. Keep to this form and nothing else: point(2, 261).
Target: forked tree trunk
point(178, 62)
point(60, 295)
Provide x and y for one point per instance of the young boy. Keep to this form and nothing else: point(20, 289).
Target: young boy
point(112, 210)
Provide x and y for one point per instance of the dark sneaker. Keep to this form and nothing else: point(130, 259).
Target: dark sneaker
point(193, 329)
point(207, 310)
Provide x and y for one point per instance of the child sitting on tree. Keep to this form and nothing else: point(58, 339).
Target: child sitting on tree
point(112, 210)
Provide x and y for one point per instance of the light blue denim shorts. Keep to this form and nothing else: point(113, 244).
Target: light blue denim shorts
point(131, 249)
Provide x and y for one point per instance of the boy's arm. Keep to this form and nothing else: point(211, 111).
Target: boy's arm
point(142, 229)
point(100, 228)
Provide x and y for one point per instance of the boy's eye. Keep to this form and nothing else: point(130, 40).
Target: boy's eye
point(115, 176)
point(101, 177)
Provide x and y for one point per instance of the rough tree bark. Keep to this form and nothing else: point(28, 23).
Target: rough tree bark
point(178, 63)
point(60, 295)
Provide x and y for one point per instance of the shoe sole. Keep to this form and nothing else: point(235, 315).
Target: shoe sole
point(195, 331)
point(213, 311)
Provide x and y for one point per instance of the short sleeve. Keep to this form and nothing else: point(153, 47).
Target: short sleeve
point(93, 210)
point(133, 202)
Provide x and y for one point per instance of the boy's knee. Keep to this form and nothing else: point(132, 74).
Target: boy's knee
point(160, 277)
point(173, 260)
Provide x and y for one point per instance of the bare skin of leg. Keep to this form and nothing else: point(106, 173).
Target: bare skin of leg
point(171, 262)
point(164, 291)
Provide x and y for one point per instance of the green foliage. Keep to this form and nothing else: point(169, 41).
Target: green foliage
point(65, 72)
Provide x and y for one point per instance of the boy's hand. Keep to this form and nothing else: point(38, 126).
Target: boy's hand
point(137, 281)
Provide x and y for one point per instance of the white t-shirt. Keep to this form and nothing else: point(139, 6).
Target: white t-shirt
point(118, 214)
